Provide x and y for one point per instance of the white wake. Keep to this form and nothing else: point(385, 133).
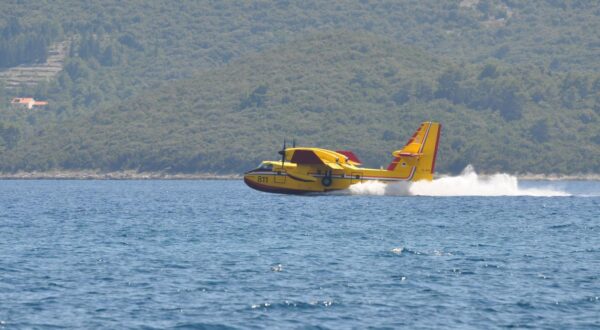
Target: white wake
point(468, 183)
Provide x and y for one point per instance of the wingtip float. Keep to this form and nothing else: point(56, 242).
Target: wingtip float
point(304, 170)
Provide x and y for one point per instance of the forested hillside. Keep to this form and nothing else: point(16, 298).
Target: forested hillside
point(215, 86)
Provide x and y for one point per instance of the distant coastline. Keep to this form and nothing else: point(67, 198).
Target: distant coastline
point(117, 175)
point(134, 175)
point(555, 177)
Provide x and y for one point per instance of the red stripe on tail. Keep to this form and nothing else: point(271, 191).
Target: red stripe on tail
point(393, 164)
point(437, 141)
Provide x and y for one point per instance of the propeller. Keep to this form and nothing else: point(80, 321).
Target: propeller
point(282, 153)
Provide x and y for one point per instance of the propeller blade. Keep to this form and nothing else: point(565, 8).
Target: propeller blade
point(282, 152)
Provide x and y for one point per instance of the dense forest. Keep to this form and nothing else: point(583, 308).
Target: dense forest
point(19, 44)
point(212, 86)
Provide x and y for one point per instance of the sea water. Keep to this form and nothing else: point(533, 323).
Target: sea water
point(489, 252)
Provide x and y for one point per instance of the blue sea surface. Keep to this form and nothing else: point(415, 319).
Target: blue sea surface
point(216, 254)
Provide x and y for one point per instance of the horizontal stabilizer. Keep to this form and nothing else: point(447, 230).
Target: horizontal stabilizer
point(400, 153)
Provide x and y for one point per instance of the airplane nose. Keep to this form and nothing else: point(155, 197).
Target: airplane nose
point(252, 184)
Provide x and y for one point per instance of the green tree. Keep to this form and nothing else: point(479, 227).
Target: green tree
point(10, 135)
point(539, 130)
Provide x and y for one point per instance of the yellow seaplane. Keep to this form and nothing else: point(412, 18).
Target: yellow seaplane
point(306, 170)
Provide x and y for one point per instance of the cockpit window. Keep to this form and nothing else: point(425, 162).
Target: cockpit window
point(265, 167)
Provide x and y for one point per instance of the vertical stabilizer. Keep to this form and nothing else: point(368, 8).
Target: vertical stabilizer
point(416, 161)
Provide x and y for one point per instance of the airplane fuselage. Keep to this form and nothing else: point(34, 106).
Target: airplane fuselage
point(305, 170)
point(326, 180)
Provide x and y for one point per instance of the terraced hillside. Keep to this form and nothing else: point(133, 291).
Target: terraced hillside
point(30, 75)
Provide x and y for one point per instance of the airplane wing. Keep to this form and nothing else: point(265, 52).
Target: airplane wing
point(351, 156)
point(306, 157)
point(309, 157)
point(333, 166)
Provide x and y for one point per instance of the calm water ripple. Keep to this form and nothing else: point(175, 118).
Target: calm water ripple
point(216, 255)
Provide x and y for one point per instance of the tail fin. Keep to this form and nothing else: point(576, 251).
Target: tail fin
point(416, 161)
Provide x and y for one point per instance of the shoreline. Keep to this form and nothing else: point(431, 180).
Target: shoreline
point(558, 177)
point(118, 175)
point(134, 175)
